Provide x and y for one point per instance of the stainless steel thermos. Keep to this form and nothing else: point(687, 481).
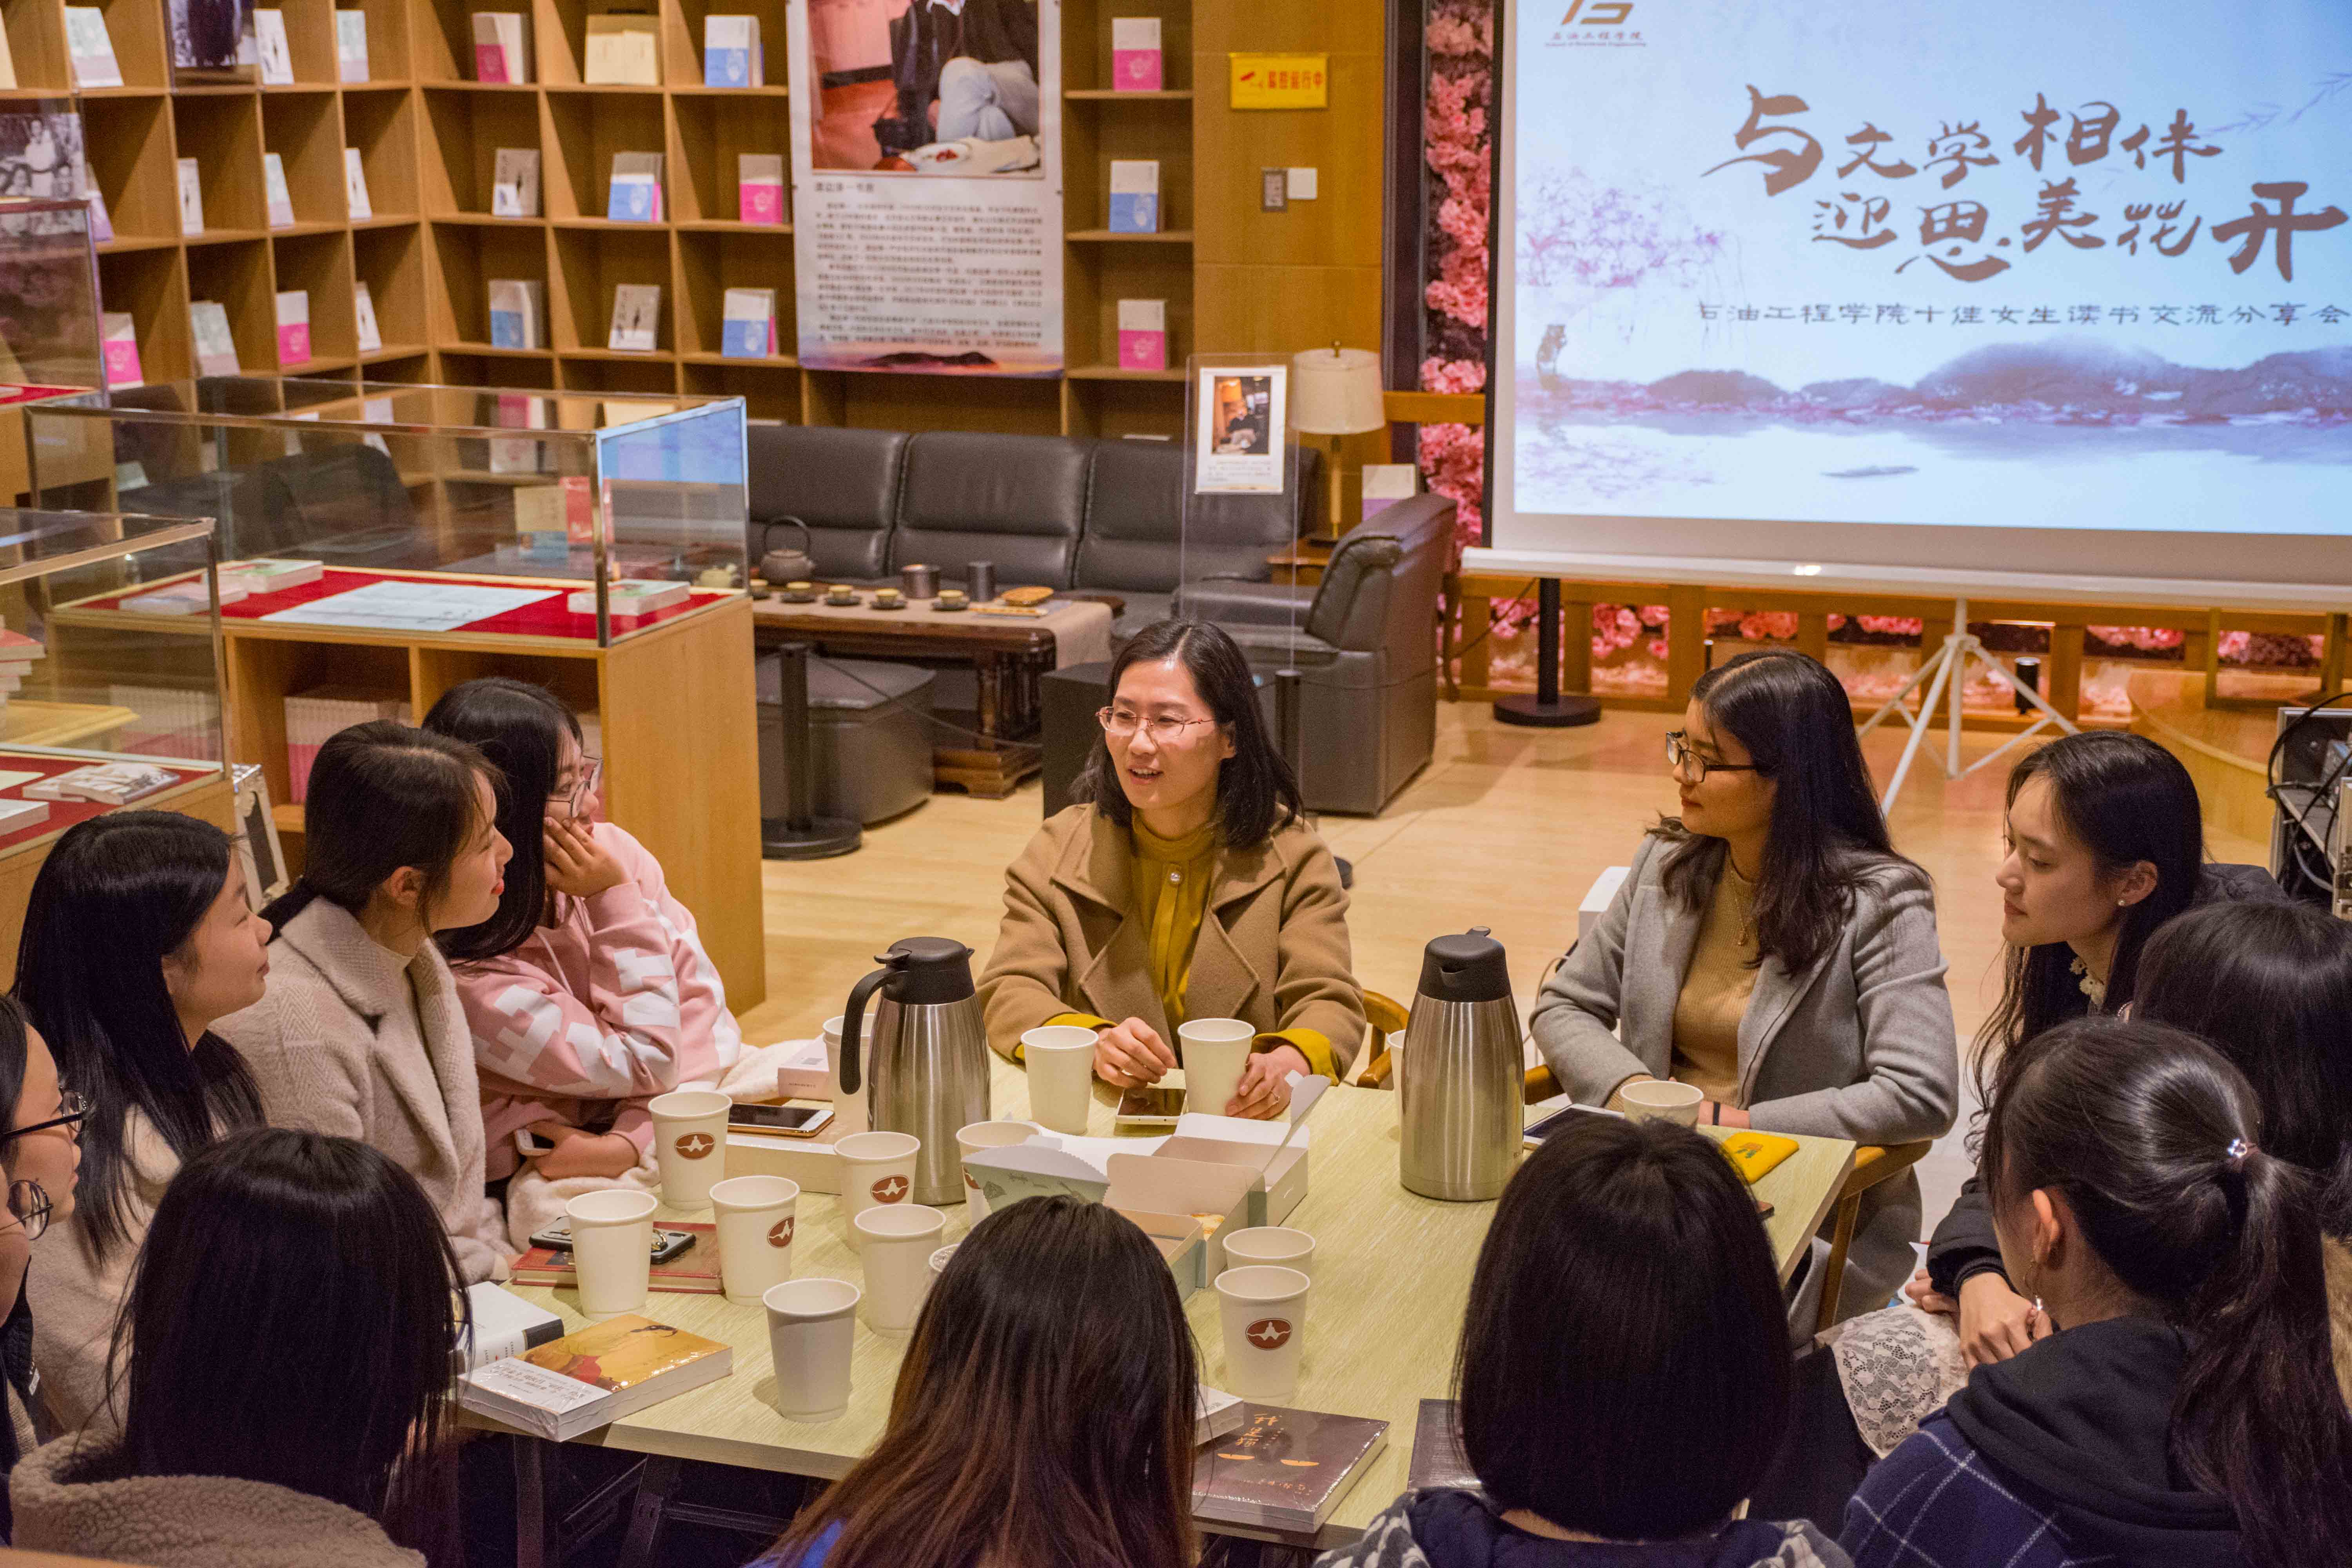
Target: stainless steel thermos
point(1459, 1075)
point(926, 1060)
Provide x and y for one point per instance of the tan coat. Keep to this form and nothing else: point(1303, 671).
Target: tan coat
point(1272, 949)
point(349, 1041)
point(74, 1328)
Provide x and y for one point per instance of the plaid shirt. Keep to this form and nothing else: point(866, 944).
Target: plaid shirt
point(1935, 1503)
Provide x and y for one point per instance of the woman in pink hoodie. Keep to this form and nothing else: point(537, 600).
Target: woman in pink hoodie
point(588, 993)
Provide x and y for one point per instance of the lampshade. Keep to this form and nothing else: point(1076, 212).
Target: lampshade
point(1336, 392)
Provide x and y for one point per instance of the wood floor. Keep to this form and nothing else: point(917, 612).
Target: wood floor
point(1505, 829)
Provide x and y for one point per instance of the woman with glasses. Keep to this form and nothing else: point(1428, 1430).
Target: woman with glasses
point(1771, 949)
point(1186, 885)
point(139, 937)
point(41, 1154)
point(588, 992)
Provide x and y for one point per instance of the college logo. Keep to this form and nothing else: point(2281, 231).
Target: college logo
point(970, 1182)
point(1596, 24)
point(781, 1233)
point(1597, 14)
point(696, 1145)
point(1270, 1333)
point(890, 1190)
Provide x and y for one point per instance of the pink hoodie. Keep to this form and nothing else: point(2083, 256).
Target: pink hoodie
point(592, 1016)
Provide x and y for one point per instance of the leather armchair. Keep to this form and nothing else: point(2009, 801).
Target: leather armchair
point(1139, 546)
point(840, 485)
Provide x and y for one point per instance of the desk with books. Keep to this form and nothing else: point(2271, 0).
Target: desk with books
point(1392, 1278)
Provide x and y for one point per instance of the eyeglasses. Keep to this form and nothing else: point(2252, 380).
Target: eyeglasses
point(29, 1202)
point(592, 773)
point(72, 1109)
point(1120, 725)
point(1682, 755)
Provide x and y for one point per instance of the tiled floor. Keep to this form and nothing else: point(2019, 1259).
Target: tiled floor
point(1505, 829)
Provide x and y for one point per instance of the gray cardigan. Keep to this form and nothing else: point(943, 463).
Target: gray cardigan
point(1860, 1045)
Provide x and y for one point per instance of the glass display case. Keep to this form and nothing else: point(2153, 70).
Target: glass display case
point(49, 334)
point(424, 509)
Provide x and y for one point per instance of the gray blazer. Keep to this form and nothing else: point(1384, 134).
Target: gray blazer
point(1860, 1045)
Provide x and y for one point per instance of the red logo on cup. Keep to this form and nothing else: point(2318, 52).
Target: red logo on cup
point(970, 1182)
point(696, 1145)
point(781, 1233)
point(1270, 1333)
point(890, 1190)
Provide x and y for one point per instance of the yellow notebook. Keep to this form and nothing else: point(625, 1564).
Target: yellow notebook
point(1756, 1152)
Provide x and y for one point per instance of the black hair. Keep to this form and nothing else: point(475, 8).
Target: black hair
point(2154, 1141)
point(291, 1320)
point(520, 728)
point(1827, 834)
point(382, 796)
point(2125, 799)
point(1257, 791)
point(1624, 1364)
point(118, 895)
point(2269, 986)
point(15, 1058)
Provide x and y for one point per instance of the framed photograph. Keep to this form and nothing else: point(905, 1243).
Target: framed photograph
point(1240, 413)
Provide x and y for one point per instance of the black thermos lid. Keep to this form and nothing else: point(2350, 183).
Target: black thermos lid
point(1466, 968)
point(937, 970)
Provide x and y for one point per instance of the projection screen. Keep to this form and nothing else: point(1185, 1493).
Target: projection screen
point(2024, 294)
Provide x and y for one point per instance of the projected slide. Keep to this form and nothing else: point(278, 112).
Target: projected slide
point(2042, 264)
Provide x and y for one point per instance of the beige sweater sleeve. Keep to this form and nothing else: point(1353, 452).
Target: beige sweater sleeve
point(74, 1297)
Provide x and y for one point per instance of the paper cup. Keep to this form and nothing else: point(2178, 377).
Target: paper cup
point(1265, 1313)
point(940, 1259)
point(1275, 1243)
point(877, 1168)
point(1061, 1062)
point(811, 1327)
point(898, 1246)
point(1214, 1051)
point(978, 1135)
point(690, 1143)
point(1658, 1100)
point(611, 1248)
point(848, 1110)
point(756, 1218)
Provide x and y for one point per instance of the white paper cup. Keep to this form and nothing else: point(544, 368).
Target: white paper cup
point(1276, 1244)
point(978, 1135)
point(1660, 1101)
point(1214, 1051)
point(940, 1259)
point(811, 1327)
point(756, 1215)
point(1265, 1313)
point(877, 1168)
point(613, 1249)
point(848, 1110)
point(1061, 1062)
point(690, 1143)
point(898, 1246)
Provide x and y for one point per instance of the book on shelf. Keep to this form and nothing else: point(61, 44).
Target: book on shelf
point(1283, 1470)
point(518, 454)
point(370, 337)
point(518, 312)
point(1437, 1457)
point(623, 48)
point(104, 784)
point(7, 63)
point(350, 45)
point(1135, 54)
point(276, 52)
point(636, 318)
point(119, 343)
point(1135, 195)
point(730, 52)
point(747, 323)
point(215, 344)
point(593, 1377)
point(276, 198)
point(514, 182)
point(501, 47)
point(1143, 335)
point(695, 1271)
point(760, 187)
point(1385, 484)
point(89, 49)
point(293, 326)
point(311, 716)
point(637, 192)
point(355, 185)
point(551, 519)
point(192, 197)
point(504, 1325)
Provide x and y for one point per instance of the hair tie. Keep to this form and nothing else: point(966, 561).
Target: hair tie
point(2235, 1154)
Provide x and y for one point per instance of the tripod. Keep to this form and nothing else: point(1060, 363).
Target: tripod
point(1948, 667)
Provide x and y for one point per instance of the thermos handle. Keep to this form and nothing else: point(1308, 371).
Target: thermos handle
point(854, 1014)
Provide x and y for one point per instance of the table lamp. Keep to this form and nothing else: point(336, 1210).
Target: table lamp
point(1336, 392)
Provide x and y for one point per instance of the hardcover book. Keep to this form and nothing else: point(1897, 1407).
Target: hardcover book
point(1135, 54)
point(515, 312)
point(1283, 1470)
point(637, 193)
point(760, 187)
point(1143, 335)
point(730, 52)
point(1135, 195)
point(636, 318)
point(276, 198)
point(623, 47)
point(293, 326)
point(350, 45)
point(694, 1272)
point(501, 47)
point(120, 347)
point(514, 189)
point(747, 324)
point(215, 344)
point(276, 52)
point(593, 1377)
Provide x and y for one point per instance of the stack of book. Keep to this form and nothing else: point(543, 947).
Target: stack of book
point(312, 716)
point(17, 653)
point(595, 1377)
point(104, 784)
point(169, 723)
point(1283, 1470)
point(268, 576)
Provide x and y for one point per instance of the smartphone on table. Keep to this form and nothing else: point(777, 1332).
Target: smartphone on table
point(784, 1121)
point(667, 1244)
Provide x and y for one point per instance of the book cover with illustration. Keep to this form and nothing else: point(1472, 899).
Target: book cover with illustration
point(1283, 1470)
point(594, 1376)
point(694, 1272)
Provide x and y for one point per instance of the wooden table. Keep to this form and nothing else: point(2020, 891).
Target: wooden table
point(1391, 1280)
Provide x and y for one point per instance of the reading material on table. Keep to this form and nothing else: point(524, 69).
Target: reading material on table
point(504, 1325)
point(104, 784)
point(597, 1375)
point(694, 1272)
point(1283, 1470)
point(401, 607)
point(1437, 1457)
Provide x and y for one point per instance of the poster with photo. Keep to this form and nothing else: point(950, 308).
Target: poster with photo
point(1237, 442)
point(927, 179)
point(41, 154)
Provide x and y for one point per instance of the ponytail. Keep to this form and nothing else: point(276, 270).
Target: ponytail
point(382, 796)
point(2153, 1139)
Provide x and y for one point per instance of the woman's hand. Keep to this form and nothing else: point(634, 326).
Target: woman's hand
point(1132, 1052)
point(1996, 1322)
point(1924, 1294)
point(604, 1155)
point(1263, 1092)
point(576, 863)
point(1715, 1113)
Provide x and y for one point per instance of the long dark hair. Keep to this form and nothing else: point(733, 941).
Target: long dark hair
point(520, 729)
point(2125, 799)
point(2269, 986)
point(117, 896)
point(1624, 1362)
point(383, 796)
point(2140, 1126)
point(1256, 792)
point(291, 1320)
point(1827, 834)
point(1043, 1411)
point(16, 1056)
